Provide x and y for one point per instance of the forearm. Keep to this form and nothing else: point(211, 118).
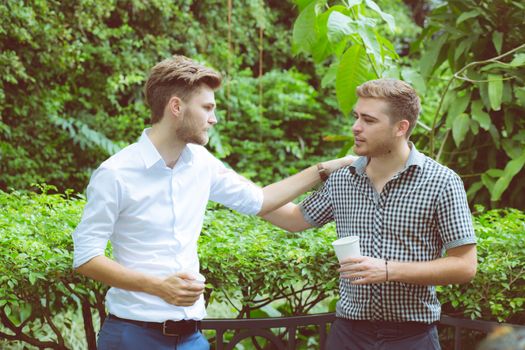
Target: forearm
point(288, 217)
point(109, 272)
point(443, 271)
point(284, 191)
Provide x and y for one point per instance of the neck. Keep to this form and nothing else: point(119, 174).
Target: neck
point(166, 143)
point(391, 162)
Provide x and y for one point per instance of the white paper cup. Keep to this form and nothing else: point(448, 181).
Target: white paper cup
point(347, 247)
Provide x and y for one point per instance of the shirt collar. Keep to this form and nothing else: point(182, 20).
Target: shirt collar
point(151, 155)
point(415, 158)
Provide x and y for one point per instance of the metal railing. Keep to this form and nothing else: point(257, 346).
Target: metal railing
point(260, 327)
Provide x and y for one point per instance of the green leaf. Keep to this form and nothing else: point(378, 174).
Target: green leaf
point(369, 39)
point(460, 128)
point(496, 137)
point(466, 15)
point(429, 59)
point(495, 172)
point(335, 138)
point(495, 91)
point(479, 115)
point(389, 19)
point(32, 279)
point(352, 71)
point(339, 26)
point(497, 40)
point(304, 33)
point(413, 77)
point(352, 3)
point(302, 4)
point(329, 76)
point(459, 104)
point(519, 60)
point(462, 47)
point(520, 95)
point(511, 169)
point(474, 188)
point(488, 182)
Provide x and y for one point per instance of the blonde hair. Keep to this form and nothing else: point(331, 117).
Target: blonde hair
point(402, 99)
point(176, 76)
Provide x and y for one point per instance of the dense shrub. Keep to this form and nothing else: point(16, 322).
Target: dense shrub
point(498, 290)
point(71, 76)
point(247, 262)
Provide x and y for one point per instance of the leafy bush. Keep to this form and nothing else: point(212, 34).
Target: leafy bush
point(498, 290)
point(272, 133)
point(248, 264)
point(242, 257)
point(477, 127)
point(72, 73)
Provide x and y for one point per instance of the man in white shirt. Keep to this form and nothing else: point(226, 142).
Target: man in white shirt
point(149, 200)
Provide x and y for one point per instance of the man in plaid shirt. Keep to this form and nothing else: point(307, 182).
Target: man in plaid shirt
point(407, 211)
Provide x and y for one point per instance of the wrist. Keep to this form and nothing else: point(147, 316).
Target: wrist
point(322, 171)
point(152, 285)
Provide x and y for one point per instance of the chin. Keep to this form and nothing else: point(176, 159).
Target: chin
point(360, 152)
point(201, 141)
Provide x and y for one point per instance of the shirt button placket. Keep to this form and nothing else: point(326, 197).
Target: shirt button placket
point(376, 253)
point(175, 245)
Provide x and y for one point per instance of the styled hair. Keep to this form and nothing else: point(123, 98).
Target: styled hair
point(401, 98)
point(176, 76)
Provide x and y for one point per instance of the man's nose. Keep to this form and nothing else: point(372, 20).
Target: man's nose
point(212, 119)
point(356, 127)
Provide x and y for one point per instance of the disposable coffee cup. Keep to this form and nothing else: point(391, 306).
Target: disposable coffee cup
point(347, 247)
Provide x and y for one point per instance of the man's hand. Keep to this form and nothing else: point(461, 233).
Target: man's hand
point(363, 270)
point(181, 289)
point(334, 164)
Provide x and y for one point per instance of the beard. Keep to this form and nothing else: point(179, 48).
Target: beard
point(376, 149)
point(190, 132)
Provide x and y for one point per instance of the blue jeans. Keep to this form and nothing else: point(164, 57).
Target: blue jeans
point(121, 335)
point(366, 335)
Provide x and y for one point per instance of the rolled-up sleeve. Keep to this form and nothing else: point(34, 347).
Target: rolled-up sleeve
point(91, 236)
point(234, 191)
point(453, 216)
point(317, 208)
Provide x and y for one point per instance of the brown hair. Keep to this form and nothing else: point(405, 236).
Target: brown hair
point(176, 76)
point(401, 97)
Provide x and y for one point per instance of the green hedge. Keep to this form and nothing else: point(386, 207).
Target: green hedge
point(247, 262)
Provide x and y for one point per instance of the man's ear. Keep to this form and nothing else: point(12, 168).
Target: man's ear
point(174, 106)
point(402, 127)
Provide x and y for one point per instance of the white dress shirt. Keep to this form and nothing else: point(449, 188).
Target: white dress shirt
point(153, 216)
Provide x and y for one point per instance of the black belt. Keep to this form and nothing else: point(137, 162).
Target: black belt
point(168, 328)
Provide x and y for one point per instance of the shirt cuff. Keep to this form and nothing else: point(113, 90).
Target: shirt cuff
point(459, 242)
point(307, 216)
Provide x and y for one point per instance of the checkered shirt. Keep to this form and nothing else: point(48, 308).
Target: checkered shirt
point(421, 211)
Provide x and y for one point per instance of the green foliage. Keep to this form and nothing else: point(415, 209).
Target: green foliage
point(498, 290)
point(478, 119)
point(71, 75)
point(36, 281)
point(348, 35)
point(278, 137)
point(242, 258)
point(247, 262)
point(269, 264)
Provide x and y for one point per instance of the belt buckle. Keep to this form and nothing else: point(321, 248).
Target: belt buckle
point(166, 332)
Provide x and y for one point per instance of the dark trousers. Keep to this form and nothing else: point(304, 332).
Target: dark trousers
point(367, 335)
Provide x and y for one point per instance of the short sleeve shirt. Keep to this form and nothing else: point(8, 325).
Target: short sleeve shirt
point(420, 212)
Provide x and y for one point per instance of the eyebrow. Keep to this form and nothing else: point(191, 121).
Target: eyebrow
point(363, 115)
